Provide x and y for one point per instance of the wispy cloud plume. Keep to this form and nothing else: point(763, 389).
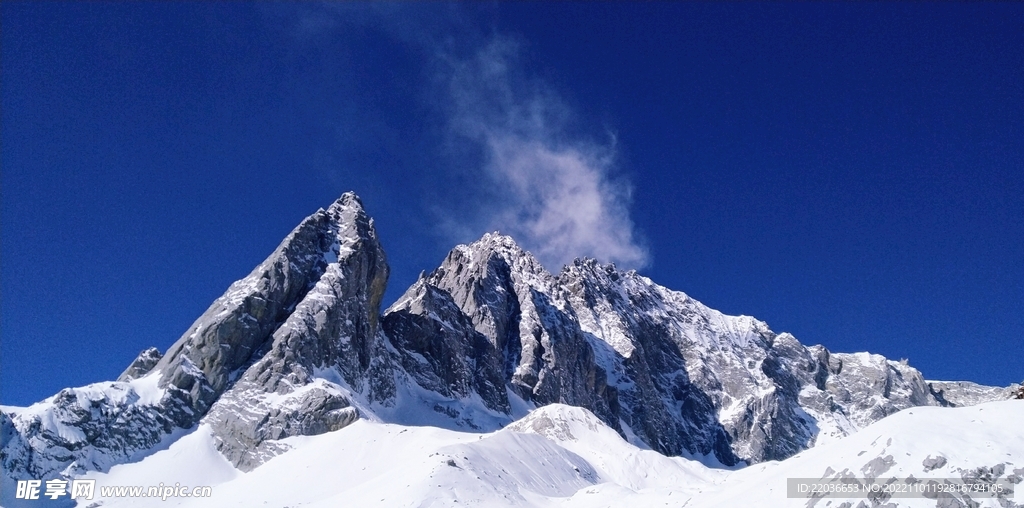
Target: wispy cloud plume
point(552, 191)
point(516, 161)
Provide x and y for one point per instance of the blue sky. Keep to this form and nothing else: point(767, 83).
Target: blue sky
point(850, 173)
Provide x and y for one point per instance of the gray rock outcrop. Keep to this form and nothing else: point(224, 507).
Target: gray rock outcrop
point(156, 398)
point(327, 347)
point(142, 365)
point(966, 393)
point(520, 331)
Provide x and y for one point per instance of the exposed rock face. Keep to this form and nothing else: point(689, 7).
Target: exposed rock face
point(520, 330)
point(661, 368)
point(313, 302)
point(442, 351)
point(299, 347)
point(239, 328)
point(88, 428)
point(142, 365)
point(966, 393)
point(697, 371)
point(672, 360)
point(869, 387)
point(332, 328)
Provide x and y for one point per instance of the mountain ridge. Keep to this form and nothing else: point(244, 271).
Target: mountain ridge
point(300, 347)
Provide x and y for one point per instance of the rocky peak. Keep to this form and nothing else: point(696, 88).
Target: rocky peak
point(601, 291)
point(237, 327)
point(485, 279)
point(301, 381)
point(495, 254)
point(142, 364)
point(530, 333)
point(312, 304)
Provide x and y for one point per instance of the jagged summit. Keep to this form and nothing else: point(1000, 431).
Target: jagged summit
point(300, 347)
point(527, 349)
point(592, 280)
point(333, 328)
point(496, 241)
point(493, 247)
point(592, 264)
point(238, 327)
point(312, 304)
point(346, 200)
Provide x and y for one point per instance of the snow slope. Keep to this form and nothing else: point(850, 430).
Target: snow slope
point(924, 442)
point(564, 456)
point(557, 456)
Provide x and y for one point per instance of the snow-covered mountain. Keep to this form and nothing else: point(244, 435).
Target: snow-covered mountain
point(565, 456)
point(300, 348)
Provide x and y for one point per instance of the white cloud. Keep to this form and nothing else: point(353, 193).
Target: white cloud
point(554, 192)
point(529, 173)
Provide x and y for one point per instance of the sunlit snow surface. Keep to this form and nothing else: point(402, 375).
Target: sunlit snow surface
point(562, 456)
